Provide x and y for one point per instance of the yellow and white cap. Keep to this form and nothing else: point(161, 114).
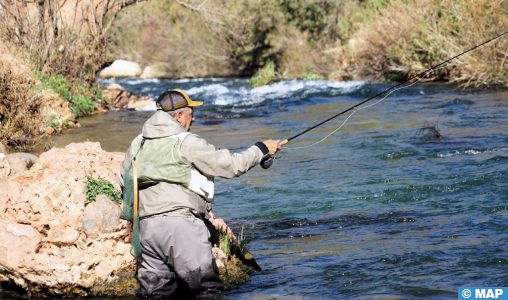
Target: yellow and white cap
point(175, 99)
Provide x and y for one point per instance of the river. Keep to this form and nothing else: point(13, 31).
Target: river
point(381, 209)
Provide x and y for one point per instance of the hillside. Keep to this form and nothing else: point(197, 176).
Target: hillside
point(349, 39)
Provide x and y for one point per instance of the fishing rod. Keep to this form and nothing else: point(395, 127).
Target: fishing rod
point(268, 161)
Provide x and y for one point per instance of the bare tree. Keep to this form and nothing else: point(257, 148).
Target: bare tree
point(58, 33)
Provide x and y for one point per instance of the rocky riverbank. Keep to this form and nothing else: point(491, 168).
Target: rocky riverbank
point(51, 243)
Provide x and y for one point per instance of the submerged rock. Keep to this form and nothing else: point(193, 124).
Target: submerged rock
point(51, 244)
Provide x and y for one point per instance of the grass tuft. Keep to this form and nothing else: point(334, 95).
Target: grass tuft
point(94, 187)
point(309, 75)
point(264, 76)
point(80, 96)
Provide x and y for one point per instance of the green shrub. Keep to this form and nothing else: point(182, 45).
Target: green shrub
point(80, 96)
point(54, 123)
point(264, 75)
point(59, 85)
point(94, 187)
point(309, 75)
point(312, 16)
point(82, 105)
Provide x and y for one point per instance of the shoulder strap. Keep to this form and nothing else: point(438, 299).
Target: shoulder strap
point(134, 148)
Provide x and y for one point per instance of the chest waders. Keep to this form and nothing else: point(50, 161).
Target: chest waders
point(154, 161)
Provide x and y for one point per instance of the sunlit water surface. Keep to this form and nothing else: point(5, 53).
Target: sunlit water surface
point(381, 209)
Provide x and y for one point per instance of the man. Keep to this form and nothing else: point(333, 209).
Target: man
point(176, 251)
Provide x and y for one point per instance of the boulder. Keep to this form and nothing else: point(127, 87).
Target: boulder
point(5, 168)
point(48, 202)
point(153, 72)
point(20, 161)
point(101, 216)
point(18, 244)
point(113, 87)
point(121, 68)
point(142, 104)
point(122, 99)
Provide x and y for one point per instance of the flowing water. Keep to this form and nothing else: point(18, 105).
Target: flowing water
point(381, 209)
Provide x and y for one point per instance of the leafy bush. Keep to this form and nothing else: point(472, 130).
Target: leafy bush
point(309, 75)
point(312, 16)
point(94, 187)
point(264, 75)
point(82, 105)
point(80, 96)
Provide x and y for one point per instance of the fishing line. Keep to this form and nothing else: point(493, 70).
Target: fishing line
point(347, 119)
point(268, 161)
point(358, 109)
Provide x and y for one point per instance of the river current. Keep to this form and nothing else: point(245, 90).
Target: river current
point(384, 208)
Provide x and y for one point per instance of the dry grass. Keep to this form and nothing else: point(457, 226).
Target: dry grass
point(174, 39)
point(20, 119)
point(406, 38)
point(298, 55)
point(480, 20)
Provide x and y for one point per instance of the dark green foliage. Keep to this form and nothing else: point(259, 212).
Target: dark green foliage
point(259, 49)
point(309, 15)
point(94, 187)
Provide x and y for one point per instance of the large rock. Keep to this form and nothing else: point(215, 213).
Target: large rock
point(101, 216)
point(18, 244)
point(5, 168)
point(121, 68)
point(20, 161)
point(46, 205)
point(50, 243)
point(122, 99)
point(153, 72)
point(142, 105)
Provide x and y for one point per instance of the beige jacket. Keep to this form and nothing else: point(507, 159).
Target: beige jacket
point(175, 199)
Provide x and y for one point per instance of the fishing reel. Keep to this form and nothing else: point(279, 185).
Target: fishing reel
point(266, 162)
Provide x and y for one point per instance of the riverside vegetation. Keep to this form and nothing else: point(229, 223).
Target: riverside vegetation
point(62, 46)
point(340, 40)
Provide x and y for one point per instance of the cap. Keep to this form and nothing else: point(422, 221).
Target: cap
point(175, 99)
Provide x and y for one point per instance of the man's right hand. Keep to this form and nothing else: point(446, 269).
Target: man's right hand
point(274, 145)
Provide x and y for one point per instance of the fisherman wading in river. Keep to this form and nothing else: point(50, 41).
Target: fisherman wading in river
point(174, 170)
